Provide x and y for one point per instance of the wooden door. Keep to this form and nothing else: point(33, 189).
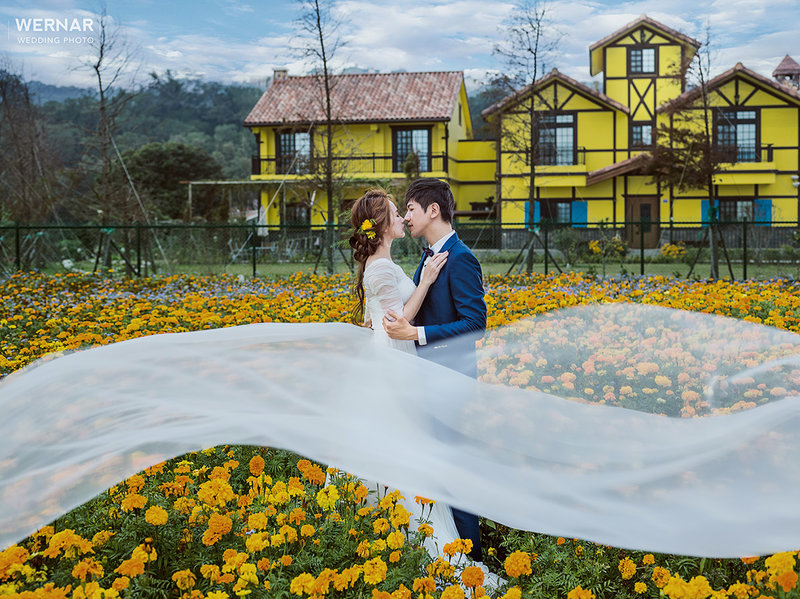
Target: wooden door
point(644, 210)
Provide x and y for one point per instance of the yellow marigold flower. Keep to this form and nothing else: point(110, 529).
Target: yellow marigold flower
point(363, 549)
point(395, 539)
point(639, 588)
point(627, 568)
point(156, 515)
point(121, 583)
point(660, 576)
point(375, 571)
point(133, 501)
point(327, 497)
point(780, 562)
point(217, 595)
point(648, 559)
point(102, 537)
point(87, 568)
point(184, 579)
point(740, 590)
point(517, 564)
point(424, 585)
point(256, 542)
point(307, 530)
point(399, 517)
point(580, 593)
point(426, 529)
point(256, 465)
point(380, 526)
point(215, 492)
point(295, 488)
point(513, 593)
point(135, 483)
point(453, 592)
point(402, 592)
point(472, 576)
point(257, 521)
point(210, 572)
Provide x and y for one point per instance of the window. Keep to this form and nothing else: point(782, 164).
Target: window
point(297, 214)
point(293, 152)
point(555, 211)
point(643, 60)
point(407, 141)
point(641, 135)
point(556, 139)
point(735, 210)
point(737, 135)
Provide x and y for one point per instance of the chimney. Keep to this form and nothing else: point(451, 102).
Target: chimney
point(279, 74)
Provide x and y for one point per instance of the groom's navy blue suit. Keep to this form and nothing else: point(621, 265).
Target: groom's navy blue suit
point(454, 316)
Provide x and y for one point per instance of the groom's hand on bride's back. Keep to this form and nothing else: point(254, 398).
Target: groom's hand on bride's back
point(397, 327)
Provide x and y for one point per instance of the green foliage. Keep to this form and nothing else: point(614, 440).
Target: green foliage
point(157, 170)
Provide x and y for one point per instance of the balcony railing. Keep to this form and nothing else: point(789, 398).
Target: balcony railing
point(553, 156)
point(743, 153)
point(356, 163)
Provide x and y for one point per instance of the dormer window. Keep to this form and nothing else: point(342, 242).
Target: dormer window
point(643, 60)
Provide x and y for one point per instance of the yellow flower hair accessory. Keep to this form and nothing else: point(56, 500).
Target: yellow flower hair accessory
point(368, 228)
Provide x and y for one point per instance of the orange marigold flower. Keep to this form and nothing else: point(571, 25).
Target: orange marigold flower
point(749, 560)
point(425, 529)
point(218, 526)
point(256, 465)
point(787, 580)
point(131, 567)
point(627, 568)
point(580, 593)
point(660, 576)
point(121, 583)
point(648, 559)
point(156, 515)
point(453, 592)
point(87, 568)
point(307, 530)
point(286, 560)
point(560, 541)
point(184, 579)
point(423, 500)
point(395, 556)
point(518, 563)
point(472, 576)
point(424, 585)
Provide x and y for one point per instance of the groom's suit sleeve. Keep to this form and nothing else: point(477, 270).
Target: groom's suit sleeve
point(466, 288)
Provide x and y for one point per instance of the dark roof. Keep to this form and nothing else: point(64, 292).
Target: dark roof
point(629, 165)
point(362, 97)
point(552, 76)
point(722, 78)
point(645, 20)
point(788, 66)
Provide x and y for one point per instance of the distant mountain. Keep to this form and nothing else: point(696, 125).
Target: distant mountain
point(44, 92)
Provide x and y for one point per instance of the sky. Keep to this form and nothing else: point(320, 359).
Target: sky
point(242, 41)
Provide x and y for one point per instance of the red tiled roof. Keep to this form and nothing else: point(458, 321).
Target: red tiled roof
point(554, 75)
point(644, 20)
point(363, 97)
point(692, 94)
point(788, 66)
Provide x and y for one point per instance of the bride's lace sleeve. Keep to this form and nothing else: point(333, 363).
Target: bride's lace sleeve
point(381, 280)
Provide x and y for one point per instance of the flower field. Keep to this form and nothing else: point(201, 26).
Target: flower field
point(237, 521)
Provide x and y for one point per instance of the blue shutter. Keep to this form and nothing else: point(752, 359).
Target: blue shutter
point(536, 212)
point(580, 213)
point(536, 219)
point(762, 211)
point(705, 215)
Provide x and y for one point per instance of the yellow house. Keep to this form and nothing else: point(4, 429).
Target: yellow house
point(588, 144)
point(379, 119)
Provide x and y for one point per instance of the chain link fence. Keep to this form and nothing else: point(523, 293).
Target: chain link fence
point(743, 249)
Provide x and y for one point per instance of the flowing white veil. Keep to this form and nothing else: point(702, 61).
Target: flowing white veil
point(530, 447)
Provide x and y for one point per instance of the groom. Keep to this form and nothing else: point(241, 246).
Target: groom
point(453, 313)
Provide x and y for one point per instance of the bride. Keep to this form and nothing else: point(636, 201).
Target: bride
point(380, 286)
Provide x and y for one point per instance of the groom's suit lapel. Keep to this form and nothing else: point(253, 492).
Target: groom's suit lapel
point(418, 274)
point(445, 248)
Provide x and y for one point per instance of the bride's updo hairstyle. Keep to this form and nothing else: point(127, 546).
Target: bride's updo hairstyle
point(372, 206)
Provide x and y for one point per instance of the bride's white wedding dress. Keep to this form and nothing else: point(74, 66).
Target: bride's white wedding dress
point(387, 287)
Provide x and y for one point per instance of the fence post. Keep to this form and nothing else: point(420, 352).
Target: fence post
point(253, 248)
point(17, 252)
point(138, 249)
point(744, 248)
point(641, 247)
point(546, 247)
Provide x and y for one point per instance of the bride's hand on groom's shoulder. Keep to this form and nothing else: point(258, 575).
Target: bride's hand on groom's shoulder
point(397, 327)
point(433, 267)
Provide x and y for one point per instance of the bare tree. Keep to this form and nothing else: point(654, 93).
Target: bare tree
point(529, 41)
point(31, 177)
point(320, 42)
point(112, 64)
